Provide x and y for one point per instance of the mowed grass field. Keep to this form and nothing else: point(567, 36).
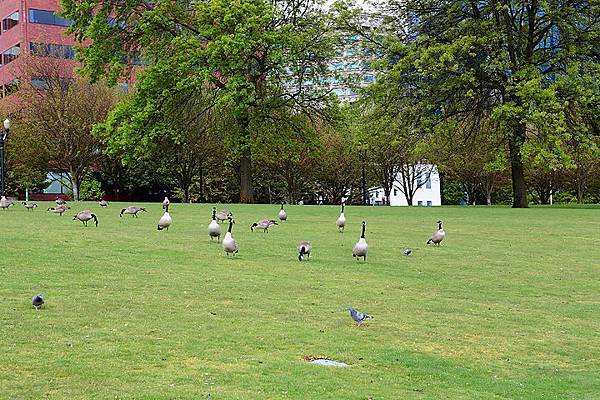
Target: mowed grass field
point(508, 307)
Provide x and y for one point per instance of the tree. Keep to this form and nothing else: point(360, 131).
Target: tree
point(62, 110)
point(181, 133)
point(502, 58)
point(260, 55)
point(337, 164)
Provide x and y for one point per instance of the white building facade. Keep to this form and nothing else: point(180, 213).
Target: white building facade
point(428, 193)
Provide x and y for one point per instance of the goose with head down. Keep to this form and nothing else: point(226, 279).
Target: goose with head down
point(133, 210)
point(263, 224)
point(59, 209)
point(304, 249)
point(29, 205)
point(85, 216)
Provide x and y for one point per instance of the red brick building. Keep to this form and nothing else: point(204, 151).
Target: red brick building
point(31, 27)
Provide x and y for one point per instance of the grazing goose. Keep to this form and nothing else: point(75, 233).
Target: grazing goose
point(165, 203)
point(438, 236)
point(133, 210)
point(304, 249)
point(60, 201)
point(263, 224)
point(361, 248)
point(59, 209)
point(85, 216)
point(37, 301)
point(341, 221)
point(103, 203)
point(4, 204)
point(230, 245)
point(165, 221)
point(357, 316)
point(214, 229)
point(29, 205)
point(407, 252)
point(223, 215)
point(282, 214)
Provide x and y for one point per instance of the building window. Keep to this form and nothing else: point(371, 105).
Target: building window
point(11, 21)
point(419, 203)
point(429, 203)
point(10, 88)
point(418, 181)
point(47, 18)
point(428, 182)
point(52, 50)
point(368, 78)
point(395, 192)
point(39, 83)
point(11, 54)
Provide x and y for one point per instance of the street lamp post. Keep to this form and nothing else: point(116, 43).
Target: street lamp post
point(3, 138)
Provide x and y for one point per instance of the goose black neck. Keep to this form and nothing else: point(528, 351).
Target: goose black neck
point(282, 206)
point(214, 214)
point(439, 225)
point(362, 235)
point(166, 208)
point(343, 207)
point(230, 226)
point(95, 218)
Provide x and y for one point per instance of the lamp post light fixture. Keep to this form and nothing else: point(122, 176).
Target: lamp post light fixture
point(3, 138)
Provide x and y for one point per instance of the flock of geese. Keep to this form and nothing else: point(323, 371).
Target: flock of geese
point(230, 245)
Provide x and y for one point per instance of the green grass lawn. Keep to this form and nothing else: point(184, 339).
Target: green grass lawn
point(507, 308)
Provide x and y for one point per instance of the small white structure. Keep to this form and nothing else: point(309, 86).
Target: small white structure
point(427, 194)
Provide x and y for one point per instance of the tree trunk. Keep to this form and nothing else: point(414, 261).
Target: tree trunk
point(386, 193)
point(246, 190)
point(488, 198)
point(75, 185)
point(516, 167)
point(580, 183)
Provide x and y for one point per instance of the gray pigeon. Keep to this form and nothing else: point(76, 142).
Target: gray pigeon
point(407, 252)
point(37, 301)
point(358, 316)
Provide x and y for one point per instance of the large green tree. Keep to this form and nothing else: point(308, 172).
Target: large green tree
point(503, 58)
point(260, 55)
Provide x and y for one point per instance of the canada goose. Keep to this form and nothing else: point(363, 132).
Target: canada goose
point(304, 249)
point(29, 205)
point(223, 215)
point(282, 214)
point(59, 209)
point(263, 224)
point(85, 216)
point(230, 245)
point(214, 229)
point(407, 252)
point(133, 210)
point(361, 248)
point(438, 236)
point(4, 204)
point(341, 221)
point(357, 316)
point(103, 203)
point(165, 221)
point(60, 201)
point(165, 203)
point(37, 301)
